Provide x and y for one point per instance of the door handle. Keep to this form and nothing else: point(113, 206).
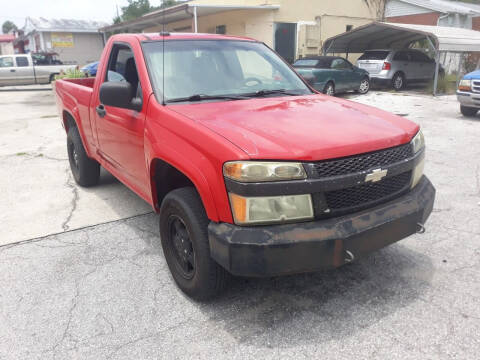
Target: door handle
point(12, 70)
point(101, 110)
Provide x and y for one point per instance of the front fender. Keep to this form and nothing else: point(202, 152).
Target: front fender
point(189, 168)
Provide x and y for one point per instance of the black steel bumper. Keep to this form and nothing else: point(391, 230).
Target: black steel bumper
point(306, 247)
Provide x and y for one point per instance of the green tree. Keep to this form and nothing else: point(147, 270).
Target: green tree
point(137, 8)
point(167, 3)
point(7, 26)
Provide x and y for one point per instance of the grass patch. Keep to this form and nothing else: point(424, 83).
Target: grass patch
point(446, 85)
point(47, 116)
point(21, 154)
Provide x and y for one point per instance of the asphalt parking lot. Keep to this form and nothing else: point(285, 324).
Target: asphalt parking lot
point(82, 275)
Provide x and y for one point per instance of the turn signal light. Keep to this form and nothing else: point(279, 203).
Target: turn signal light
point(387, 66)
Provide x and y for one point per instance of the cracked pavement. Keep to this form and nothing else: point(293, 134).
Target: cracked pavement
point(82, 275)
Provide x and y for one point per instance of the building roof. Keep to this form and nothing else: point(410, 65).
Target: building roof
point(62, 25)
point(378, 35)
point(445, 6)
point(7, 37)
point(180, 12)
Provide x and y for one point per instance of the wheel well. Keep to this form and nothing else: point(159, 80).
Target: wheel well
point(401, 73)
point(68, 121)
point(167, 178)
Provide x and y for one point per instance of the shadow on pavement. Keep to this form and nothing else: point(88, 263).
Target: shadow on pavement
point(315, 308)
point(289, 311)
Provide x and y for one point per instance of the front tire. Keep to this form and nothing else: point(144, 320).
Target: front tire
point(364, 86)
point(184, 237)
point(85, 171)
point(398, 82)
point(468, 111)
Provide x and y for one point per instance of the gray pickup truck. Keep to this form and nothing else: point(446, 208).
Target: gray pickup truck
point(21, 70)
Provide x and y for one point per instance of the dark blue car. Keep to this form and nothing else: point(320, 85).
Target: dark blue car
point(90, 69)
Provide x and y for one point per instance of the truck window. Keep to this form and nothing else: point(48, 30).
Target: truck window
point(6, 61)
point(22, 61)
point(122, 67)
point(216, 67)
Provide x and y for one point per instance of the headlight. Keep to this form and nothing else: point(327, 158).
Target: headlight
point(418, 142)
point(256, 171)
point(417, 173)
point(465, 85)
point(273, 209)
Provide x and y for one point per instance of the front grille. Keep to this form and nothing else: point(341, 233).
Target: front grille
point(367, 194)
point(362, 162)
point(476, 86)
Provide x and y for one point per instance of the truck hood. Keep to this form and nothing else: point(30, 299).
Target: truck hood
point(473, 75)
point(313, 127)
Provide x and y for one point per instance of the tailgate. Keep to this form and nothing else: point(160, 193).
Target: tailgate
point(372, 66)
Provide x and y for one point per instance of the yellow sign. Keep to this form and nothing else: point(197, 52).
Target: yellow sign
point(64, 40)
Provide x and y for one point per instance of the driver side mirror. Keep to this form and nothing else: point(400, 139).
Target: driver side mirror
point(119, 94)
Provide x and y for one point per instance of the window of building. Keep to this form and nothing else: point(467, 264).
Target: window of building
point(22, 61)
point(6, 61)
point(221, 29)
point(349, 27)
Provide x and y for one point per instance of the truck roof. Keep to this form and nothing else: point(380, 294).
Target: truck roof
point(180, 36)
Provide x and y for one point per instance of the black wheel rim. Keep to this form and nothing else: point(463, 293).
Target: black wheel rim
point(73, 156)
point(181, 247)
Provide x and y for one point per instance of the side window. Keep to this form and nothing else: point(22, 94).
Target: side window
point(340, 64)
point(122, 67)
point(6, 62)
point(417, 56)
point(22, 61)
point(401, 56)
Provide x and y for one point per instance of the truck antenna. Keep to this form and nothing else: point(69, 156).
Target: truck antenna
point(163, 33)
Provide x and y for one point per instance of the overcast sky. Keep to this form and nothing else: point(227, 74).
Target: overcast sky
point(17, 10)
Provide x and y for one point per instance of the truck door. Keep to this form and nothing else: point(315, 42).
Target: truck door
point(121, 131)
point(8, 72)
point(25, 75)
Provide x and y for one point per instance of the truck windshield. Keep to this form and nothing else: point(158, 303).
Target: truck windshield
point(197, 70)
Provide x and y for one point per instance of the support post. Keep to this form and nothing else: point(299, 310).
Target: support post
point(195, 20)
point(459, 69)
point(437, 68)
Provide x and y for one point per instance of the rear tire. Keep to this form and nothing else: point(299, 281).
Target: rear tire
point(85, 171)
point(468, 111)
point(398, 82)
point(329, 89)
point(184, 237)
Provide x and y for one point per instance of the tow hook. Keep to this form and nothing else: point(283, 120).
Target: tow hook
point(420, 228)
point(350, 257)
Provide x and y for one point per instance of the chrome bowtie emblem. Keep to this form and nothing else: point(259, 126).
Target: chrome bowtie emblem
point(376, 175)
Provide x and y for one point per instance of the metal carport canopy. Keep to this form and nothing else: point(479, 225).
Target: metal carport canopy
point(380, 35)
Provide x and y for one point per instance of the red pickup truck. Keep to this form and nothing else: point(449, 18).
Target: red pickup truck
point(252, 171)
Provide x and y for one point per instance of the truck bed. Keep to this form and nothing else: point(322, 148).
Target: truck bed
point(74, 96)
point(88, 82)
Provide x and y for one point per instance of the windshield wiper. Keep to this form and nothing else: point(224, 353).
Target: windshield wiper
point(202, 97)
point(271, 92)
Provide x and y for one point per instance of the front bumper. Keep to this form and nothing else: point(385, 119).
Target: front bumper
point(469, 99)
point(272, 250)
